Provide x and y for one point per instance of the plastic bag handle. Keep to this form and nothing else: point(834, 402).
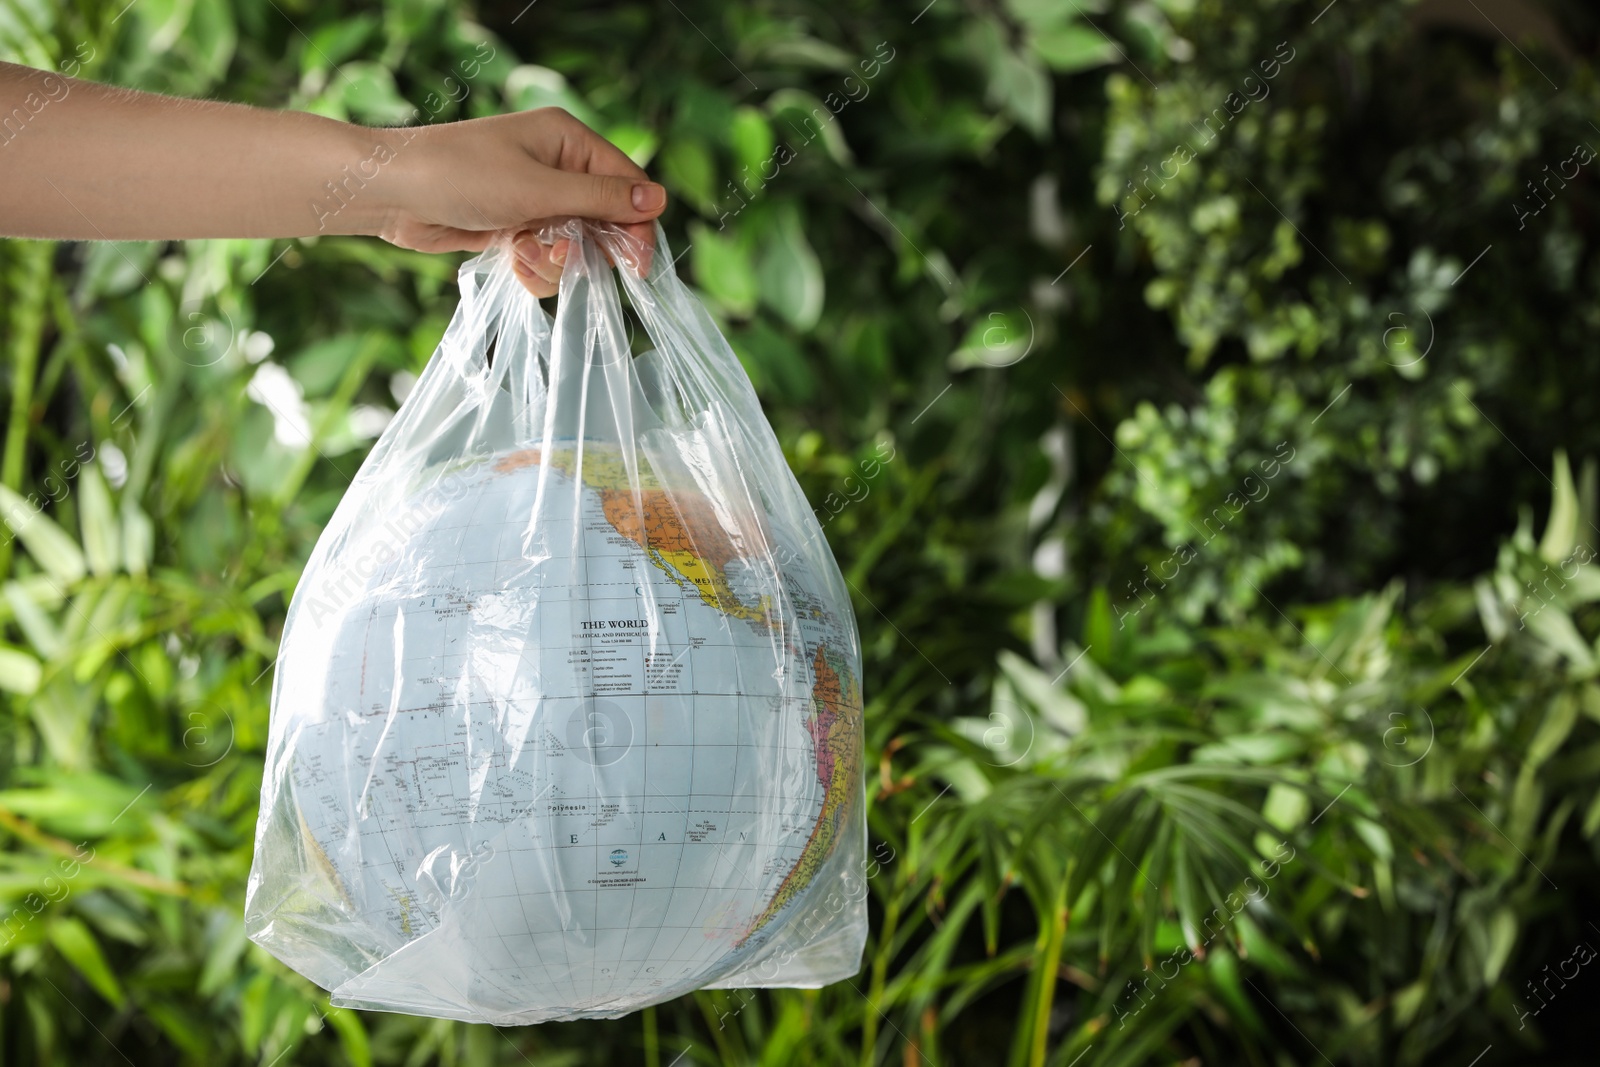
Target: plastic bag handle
point(706, 368)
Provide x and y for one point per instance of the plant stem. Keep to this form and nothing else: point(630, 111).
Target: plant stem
point(27, 284)
point(880, 972)
point(652, 1040)
point(1049, 964)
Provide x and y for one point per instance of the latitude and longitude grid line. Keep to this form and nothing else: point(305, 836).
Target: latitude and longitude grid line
point(694, 726)
point(409, 898)
point(722, 850)
point(689, 589)
point(633, 894)
point(690, 592)
point(694, 729)
point(821, 804)
point(414, 766)
point(583, 668)
point(633, 890)
point(492, 976)
point(694, 735)
point(723, 847)
point(488, 975)
point(587, 674)
point(478, 979)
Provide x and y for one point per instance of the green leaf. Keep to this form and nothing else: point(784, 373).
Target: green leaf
point(1591, 818)
point(319, 366)
point(1072, 48)
point(1286, 807)
point(1376, 838)
point(1554, 728)
point(255, 1004)
point(530, 86)
point(183, 1026)
point(722, 268)
point(1265, 747)
point(776, 365)
point(1042, 12)
point(1023, 87)
point(1018, 84)
point(138, 538)
point(40, 630)
point(1491, 612)
point(337, 41)
point(789, 273)
point(102, 541)
point(1554, 627)
point(352, 1036)
point(1502, 939)
point(637, 142)
point(1186, 897)
point(49, 546)
point(1097, 628)
point(751, 137)
point(806, 118)
point(19, 672)
point(687, 168)
point(1059, 707)
point(1408, 1000)
point(700, 111)
point(1223, 970)
point(222, 960)
point(801, 51)
point(997, 339)
point(79, 947)
point(1561, 532)
point(370, 95)
point(1263, 950)
point(1527, 799)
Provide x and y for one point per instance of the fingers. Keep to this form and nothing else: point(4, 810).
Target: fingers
point(531, 262)
point(567, 144)
point(471, 181)
point(589, 176)
point(545, 260)
point(607, 197)
point(532, 282)
point(521, 172)
point(539, 265)
point(644, 233)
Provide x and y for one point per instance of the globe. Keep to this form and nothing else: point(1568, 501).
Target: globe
point(563, 736)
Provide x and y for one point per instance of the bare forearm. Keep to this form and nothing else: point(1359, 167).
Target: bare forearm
point(82, 161)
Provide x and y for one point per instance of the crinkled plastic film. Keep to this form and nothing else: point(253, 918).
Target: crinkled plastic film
point(567, 714)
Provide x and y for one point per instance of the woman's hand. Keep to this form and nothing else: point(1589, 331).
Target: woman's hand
point(459, 184)
point(90, 162)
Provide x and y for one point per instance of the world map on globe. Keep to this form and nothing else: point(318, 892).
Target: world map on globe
point(579, 721)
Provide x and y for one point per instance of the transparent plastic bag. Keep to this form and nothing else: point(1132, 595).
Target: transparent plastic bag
point(567, 713)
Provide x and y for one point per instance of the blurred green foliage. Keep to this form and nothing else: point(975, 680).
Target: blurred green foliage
point(1224, 704)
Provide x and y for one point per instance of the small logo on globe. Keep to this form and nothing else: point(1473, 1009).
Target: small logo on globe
point(599, 732)
point(619, 856)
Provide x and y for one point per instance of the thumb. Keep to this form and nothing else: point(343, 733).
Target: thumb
point(598, 196)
